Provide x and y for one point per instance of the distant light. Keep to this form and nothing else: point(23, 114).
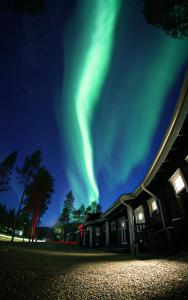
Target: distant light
point(140, 216)
point(19, 232)
point(123, 224)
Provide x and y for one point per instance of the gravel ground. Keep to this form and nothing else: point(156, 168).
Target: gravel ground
point(60, 272)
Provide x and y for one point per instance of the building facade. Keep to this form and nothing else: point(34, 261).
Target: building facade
point(155, 216)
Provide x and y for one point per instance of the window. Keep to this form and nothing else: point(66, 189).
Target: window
point(139, 214)
point(186, 159)
point(123, 224)
point(97, 231)
point(178, 182)
point(153, 207)
point(113, 226)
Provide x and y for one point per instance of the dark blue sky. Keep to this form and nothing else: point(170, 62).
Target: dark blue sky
point(43, 63)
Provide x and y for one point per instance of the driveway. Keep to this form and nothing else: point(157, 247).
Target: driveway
point(48, 271)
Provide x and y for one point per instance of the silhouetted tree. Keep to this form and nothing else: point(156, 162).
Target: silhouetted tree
point(99, 208)
point(58, 229)
point(38, 195)
point(6, 168)
point(67, 216)
point(77, 216)
point(68, 208)
point(22, 6)
point(10, 220)
point(71, 218)
point(169, 15)
point(7, 217)
point(3, 217)
point(88, 211)
point(30, 166)
point(82, 213)
point(93, 208)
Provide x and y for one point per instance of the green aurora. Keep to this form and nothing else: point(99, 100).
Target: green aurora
point(117, 79)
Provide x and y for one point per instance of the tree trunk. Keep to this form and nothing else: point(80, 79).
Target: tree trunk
point(35, 220)
point(20, 205)
point(37, 230)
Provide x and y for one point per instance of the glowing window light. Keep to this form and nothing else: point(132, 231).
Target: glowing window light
point(154, 205)
point(140, 216)
point(178, 181)
point(179, 184)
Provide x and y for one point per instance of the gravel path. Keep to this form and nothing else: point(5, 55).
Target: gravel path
point(58, 272)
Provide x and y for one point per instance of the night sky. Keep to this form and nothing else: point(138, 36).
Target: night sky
point(94, 86)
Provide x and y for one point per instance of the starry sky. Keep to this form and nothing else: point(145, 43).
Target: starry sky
point(94, 86)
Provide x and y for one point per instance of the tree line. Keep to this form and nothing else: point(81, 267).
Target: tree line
point(71, 217)
point(37, 187)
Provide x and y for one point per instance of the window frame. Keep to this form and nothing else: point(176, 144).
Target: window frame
point(173, 178)
point(113, 226)
point(137, 211)
point(151, 210)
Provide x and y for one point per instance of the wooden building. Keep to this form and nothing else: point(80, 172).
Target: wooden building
point(155, 216)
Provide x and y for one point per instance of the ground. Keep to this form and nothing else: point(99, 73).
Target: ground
point(50, 271)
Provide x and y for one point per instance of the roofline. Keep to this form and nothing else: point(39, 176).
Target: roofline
point(117, 203)
point(173, 130)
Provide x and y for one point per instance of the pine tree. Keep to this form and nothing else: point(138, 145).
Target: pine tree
point(82, 213)
point(77, 216)
point(3, 217)
point(99, 208)
point(169, 15)
point(93, 208)
point(30, 166)
point(68, 207)
point(66, 216)
point(38, 195)
point(6, 168)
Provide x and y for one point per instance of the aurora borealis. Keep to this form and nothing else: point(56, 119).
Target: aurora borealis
point(112, 111)
point(93, 85)
point(94, 65)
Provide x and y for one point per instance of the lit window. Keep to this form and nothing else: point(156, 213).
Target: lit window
point(139, 214)
point(153, 208)
point(179, 184)
point(154, 205)
point(121, 224)
point(178, 181)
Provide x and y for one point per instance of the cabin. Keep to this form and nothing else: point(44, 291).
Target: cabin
point(155, 216)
